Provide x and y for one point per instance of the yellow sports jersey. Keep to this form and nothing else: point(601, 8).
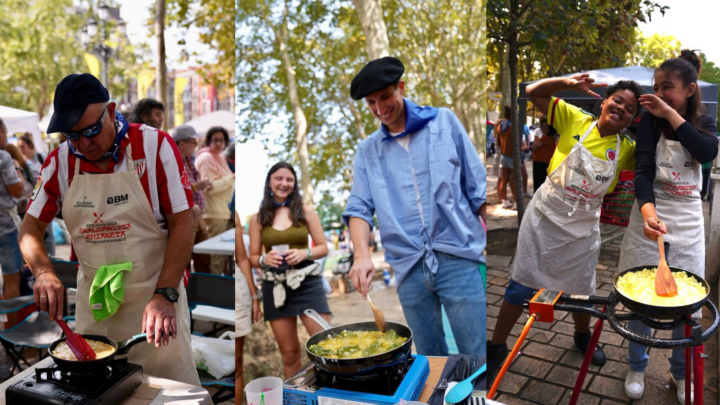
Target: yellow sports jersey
point(571, 123)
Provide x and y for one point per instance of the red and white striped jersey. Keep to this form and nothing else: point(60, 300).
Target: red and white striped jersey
point(157, 162)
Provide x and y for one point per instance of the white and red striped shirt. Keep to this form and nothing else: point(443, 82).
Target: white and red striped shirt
point(158, 163)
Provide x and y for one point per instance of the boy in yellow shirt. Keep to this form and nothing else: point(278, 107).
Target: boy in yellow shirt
point(559, 239)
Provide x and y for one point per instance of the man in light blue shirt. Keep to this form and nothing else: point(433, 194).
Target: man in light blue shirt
point(424, 179)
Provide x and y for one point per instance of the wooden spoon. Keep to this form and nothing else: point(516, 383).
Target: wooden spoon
point(664, 281)
point(378, 315)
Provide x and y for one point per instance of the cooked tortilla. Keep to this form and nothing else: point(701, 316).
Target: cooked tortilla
point(62, 350)
point(640, 286)
point(353, 345)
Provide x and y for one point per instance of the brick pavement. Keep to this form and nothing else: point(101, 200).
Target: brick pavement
point(545, 370)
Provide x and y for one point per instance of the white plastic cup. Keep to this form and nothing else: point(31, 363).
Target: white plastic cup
point(282, 249)
point(270, 387)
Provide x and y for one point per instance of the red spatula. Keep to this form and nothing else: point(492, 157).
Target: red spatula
point(77, 344)
point(664, 281)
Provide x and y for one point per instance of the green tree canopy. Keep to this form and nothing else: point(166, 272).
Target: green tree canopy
point(39, 48)
point(437, 41)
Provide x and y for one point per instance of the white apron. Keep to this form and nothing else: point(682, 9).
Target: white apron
point(110, 222)
point(559, 239)
point(678, 179)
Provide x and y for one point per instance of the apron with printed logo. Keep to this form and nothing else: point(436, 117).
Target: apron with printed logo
point(678, 179)
point(110, 222)
point(559, 239)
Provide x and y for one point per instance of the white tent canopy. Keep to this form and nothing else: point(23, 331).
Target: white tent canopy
point(222, 118)
point(23, 121)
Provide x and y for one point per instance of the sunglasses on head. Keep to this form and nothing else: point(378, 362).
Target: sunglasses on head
point(88, 132)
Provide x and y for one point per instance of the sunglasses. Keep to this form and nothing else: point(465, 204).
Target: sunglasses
point(88, 132)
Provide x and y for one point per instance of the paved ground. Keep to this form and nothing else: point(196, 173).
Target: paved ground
point(545, 370)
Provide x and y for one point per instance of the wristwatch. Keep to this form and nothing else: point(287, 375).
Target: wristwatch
point(168, 293)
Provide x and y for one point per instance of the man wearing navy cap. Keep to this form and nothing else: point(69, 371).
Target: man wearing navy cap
point(126, 201)
point(424, 179)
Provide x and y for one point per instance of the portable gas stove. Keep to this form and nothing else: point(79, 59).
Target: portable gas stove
point(52, 386)
point(381, 386)
point(542, 308)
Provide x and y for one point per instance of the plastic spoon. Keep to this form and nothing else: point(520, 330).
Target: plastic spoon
point(378, 315)
point(464, 388)
point(664, 281)
point(77, 344)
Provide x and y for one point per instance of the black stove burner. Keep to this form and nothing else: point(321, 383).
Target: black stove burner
point(382, 380)
point(697, 336)
point(52, 386)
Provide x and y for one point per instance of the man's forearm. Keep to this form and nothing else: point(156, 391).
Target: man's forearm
point(179, 248)
point(32, 246)
point(360, 235)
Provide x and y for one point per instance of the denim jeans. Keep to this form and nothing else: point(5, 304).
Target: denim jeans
point(10, 257)
point(638, 356)
point(458, 287)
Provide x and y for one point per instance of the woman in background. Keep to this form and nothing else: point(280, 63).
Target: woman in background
point(212, 166)
point(543, 149)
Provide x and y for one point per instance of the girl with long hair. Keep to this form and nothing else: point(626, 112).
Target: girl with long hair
point(291, 278)
point(674, 138)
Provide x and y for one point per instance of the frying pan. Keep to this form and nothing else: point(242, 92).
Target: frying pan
point(359, 365)
point(659, 312)
point(97, 364)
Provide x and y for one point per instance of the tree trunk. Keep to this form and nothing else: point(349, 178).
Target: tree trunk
point(516, 122)
point(370, 14)
point(357, 120)
point(161, 75)
point(306, 187)
point(505, 81)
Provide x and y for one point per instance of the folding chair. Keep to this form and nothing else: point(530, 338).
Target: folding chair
point(224, 384)
point(209, 290)
point(67, 273)
point(36, 331)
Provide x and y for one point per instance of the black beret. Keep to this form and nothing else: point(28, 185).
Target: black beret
point(72, 96)
point(376, 75)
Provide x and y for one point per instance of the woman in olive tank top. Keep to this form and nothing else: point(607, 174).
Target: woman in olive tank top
point(291, 280)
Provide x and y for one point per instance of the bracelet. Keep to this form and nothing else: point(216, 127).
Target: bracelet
point(262, 262)
point(253, 297)
point(309, 253)
point(46, 271)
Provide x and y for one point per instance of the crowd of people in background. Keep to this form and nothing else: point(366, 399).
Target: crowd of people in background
point(209, 163)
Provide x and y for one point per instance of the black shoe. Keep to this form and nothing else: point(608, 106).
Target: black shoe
point(496, 355)
point(582, 341)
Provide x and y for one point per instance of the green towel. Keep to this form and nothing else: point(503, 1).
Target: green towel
point(108, 290)
point(483, 274)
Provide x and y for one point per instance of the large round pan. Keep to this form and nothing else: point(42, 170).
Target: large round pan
point(363, 364)
point(96, 365)
point(658, 312)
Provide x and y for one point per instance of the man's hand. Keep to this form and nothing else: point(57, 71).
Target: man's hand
point(583, 83)
point(48, 293)
point(159, 319)
point(202, 185)
point(196, 213)
point(361, 275)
